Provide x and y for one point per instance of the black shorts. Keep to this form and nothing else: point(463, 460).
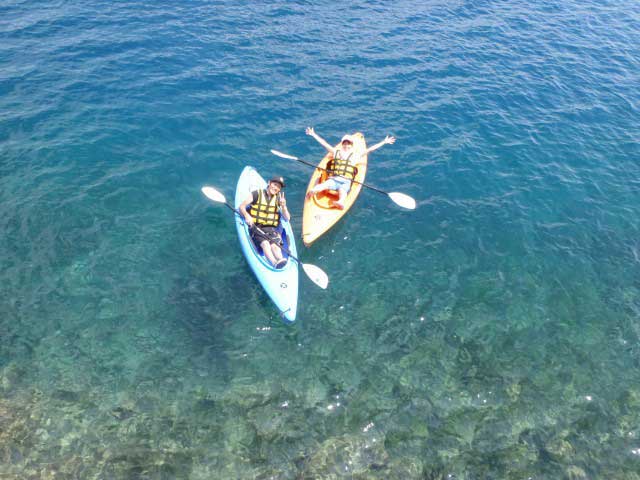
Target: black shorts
point(270, 234)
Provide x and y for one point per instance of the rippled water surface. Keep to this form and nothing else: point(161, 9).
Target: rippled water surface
point(492, 333)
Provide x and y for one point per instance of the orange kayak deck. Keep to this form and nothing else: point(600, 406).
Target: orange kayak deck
point(319, 214)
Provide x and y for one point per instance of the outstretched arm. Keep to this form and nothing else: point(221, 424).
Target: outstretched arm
point(311, 132)
point(388, 139)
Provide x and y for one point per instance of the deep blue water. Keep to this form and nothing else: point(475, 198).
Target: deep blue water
point(492, 333)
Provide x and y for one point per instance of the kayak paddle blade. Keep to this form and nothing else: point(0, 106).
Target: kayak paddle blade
point(405, 201)
point(283, 155)
point(213, 194)
point(316, 274)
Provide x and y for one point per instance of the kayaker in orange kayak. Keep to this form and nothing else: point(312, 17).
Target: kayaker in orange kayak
point(342, 168)
point(264, 213)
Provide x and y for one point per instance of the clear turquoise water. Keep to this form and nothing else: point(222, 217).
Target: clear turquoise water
point(493, 333)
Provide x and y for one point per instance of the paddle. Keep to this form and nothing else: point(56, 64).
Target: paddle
point(401, 199)
point(315, 274)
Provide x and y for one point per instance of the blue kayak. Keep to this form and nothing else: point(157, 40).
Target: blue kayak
point(280, 284)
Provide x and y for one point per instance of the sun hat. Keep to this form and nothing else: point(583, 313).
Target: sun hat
point(347, 138)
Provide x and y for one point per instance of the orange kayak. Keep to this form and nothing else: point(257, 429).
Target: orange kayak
point(318, 214)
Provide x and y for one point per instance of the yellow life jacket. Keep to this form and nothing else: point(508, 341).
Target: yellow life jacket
point(342, 166)
point(265, 213)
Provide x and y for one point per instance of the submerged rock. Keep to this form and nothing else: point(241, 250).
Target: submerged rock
point(122, 413)
point(269, 422)
point(239, 437)
point(315, 392)
point(576, 473)
point(248, 396)
point(559, 449)
point(66, 395)
point(513, 391)
point(348, 456)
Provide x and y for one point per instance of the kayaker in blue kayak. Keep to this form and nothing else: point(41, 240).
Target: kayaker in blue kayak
point(342, 168)
point(263, 219)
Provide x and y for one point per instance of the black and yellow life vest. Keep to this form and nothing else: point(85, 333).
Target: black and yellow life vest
point(265, 212)
point(341, 166)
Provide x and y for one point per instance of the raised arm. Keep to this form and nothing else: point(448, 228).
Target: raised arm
point(311, 132)
point(388, 139)
point(283, 207)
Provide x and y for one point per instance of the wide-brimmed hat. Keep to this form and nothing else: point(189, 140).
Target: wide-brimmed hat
point(279, 180)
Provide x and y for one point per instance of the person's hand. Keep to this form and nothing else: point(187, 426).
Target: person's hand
point(310, 131)
point(249, 222)
point(283, 201)
point(389, 139)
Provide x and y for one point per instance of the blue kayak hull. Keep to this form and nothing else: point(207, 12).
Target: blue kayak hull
point(280, 284)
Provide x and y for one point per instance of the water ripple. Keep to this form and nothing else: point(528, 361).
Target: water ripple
point(490, 333)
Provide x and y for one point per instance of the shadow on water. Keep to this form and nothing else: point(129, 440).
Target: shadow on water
point(203, 316)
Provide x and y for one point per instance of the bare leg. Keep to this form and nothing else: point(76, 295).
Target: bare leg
point(276, 251)
point(319, 188)
point(266, 248)
point(311, 192)
point(342, 195)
